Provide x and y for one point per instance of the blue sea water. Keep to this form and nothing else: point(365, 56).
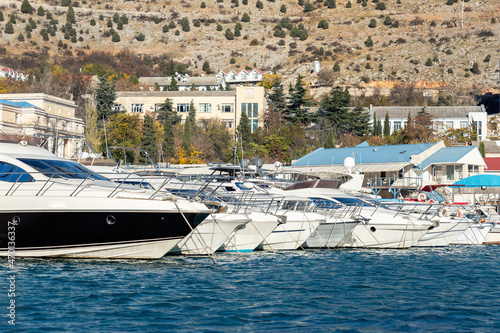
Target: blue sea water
point(452, 289)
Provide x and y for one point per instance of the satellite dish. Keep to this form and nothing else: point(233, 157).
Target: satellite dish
point(277, 164)
point(349, 164)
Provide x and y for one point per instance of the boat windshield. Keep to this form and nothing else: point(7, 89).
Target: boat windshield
point(351, 201)
point(11, 173)
point(61, 169)
point(325, 203)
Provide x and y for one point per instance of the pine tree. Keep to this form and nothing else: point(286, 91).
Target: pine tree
point(70, 15)
point(244, 131)
point(148, 140)
point(186, 136)
point(26, 7)
point(9, 28)
point(192, 113)
point(168, 117)
point(105, 98)
point(330, 141)
point(173, 84)
point(1, 16)
point(41, 11)
point(482, 149)
point(387, 126)
point(277, 100)
point(206, 67)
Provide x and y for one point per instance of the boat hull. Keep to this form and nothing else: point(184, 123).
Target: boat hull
point(330, 233)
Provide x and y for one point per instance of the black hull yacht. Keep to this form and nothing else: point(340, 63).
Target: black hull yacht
point(52, 207)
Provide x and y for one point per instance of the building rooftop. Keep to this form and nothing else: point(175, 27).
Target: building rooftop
point(20, 104)
point(184, 81)
point(364, 154)
point(436, 111)
point(167, 94)
point(449, 155)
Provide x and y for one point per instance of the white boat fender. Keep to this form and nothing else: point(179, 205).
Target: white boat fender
point(445, 211)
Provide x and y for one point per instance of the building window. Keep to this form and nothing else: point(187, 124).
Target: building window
point(183, 107)
point(233, 77)
point(473, 170)
point(227, 107)
point(449, 124)
point(251, 109)
point(117, 107)
point(405, 123)
point(244, 76)
point(157, 107)
point(205, 107)
point(137, 108)
point(229, 123)
point(397, 125)
point(255, 124)
point(463, 124)
point(453, 172)
point(255, 76)
point(479, 128)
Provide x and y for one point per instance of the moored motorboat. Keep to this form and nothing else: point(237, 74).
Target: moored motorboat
point(58, 208)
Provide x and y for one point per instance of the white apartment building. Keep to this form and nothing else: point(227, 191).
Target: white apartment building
point(444, 117)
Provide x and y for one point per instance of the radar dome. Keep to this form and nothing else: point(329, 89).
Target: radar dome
point(349, 164)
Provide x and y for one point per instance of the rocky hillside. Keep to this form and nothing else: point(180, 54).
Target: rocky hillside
point(357, 41)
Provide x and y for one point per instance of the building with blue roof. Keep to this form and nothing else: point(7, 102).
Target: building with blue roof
point(47, 118)
point(409, 165)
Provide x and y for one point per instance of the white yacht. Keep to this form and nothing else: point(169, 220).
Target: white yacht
point(61, 209)
point(299, 223)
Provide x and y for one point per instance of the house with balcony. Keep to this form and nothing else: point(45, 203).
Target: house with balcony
point(409, 165)
point(244, 77)
point(48, 119)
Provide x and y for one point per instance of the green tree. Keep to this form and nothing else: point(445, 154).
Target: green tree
point(116, 17)
point(192, 113)
point(336, 67)
point(387, 126)
point(105, 95)
point(93, 22)
point(229, 34)
point(20, 37)
point(140, 37)
point(115, 38)
point(148, 140)
point(380, 6)
point(123, 130)
point(245, 18)
point(482, 149)
point(388, 20)
point(244, 131)
point(9, 28)
point(185, 25)
point(70, 15)
point(475, 68)
point(283, 9)
point(168, 118)
point(203, 5)
point(308, 7)
point(186, 136)
point(165, 28)
point(330, 140)
point(373, 23)
point(65, 3)
point(335, 104)
point(1, 16)
point(369, 42)
point(173, 84)
point(206, 67)
point(299, 99)
point(26, 7)
point(259, 4)
point(277, 101)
